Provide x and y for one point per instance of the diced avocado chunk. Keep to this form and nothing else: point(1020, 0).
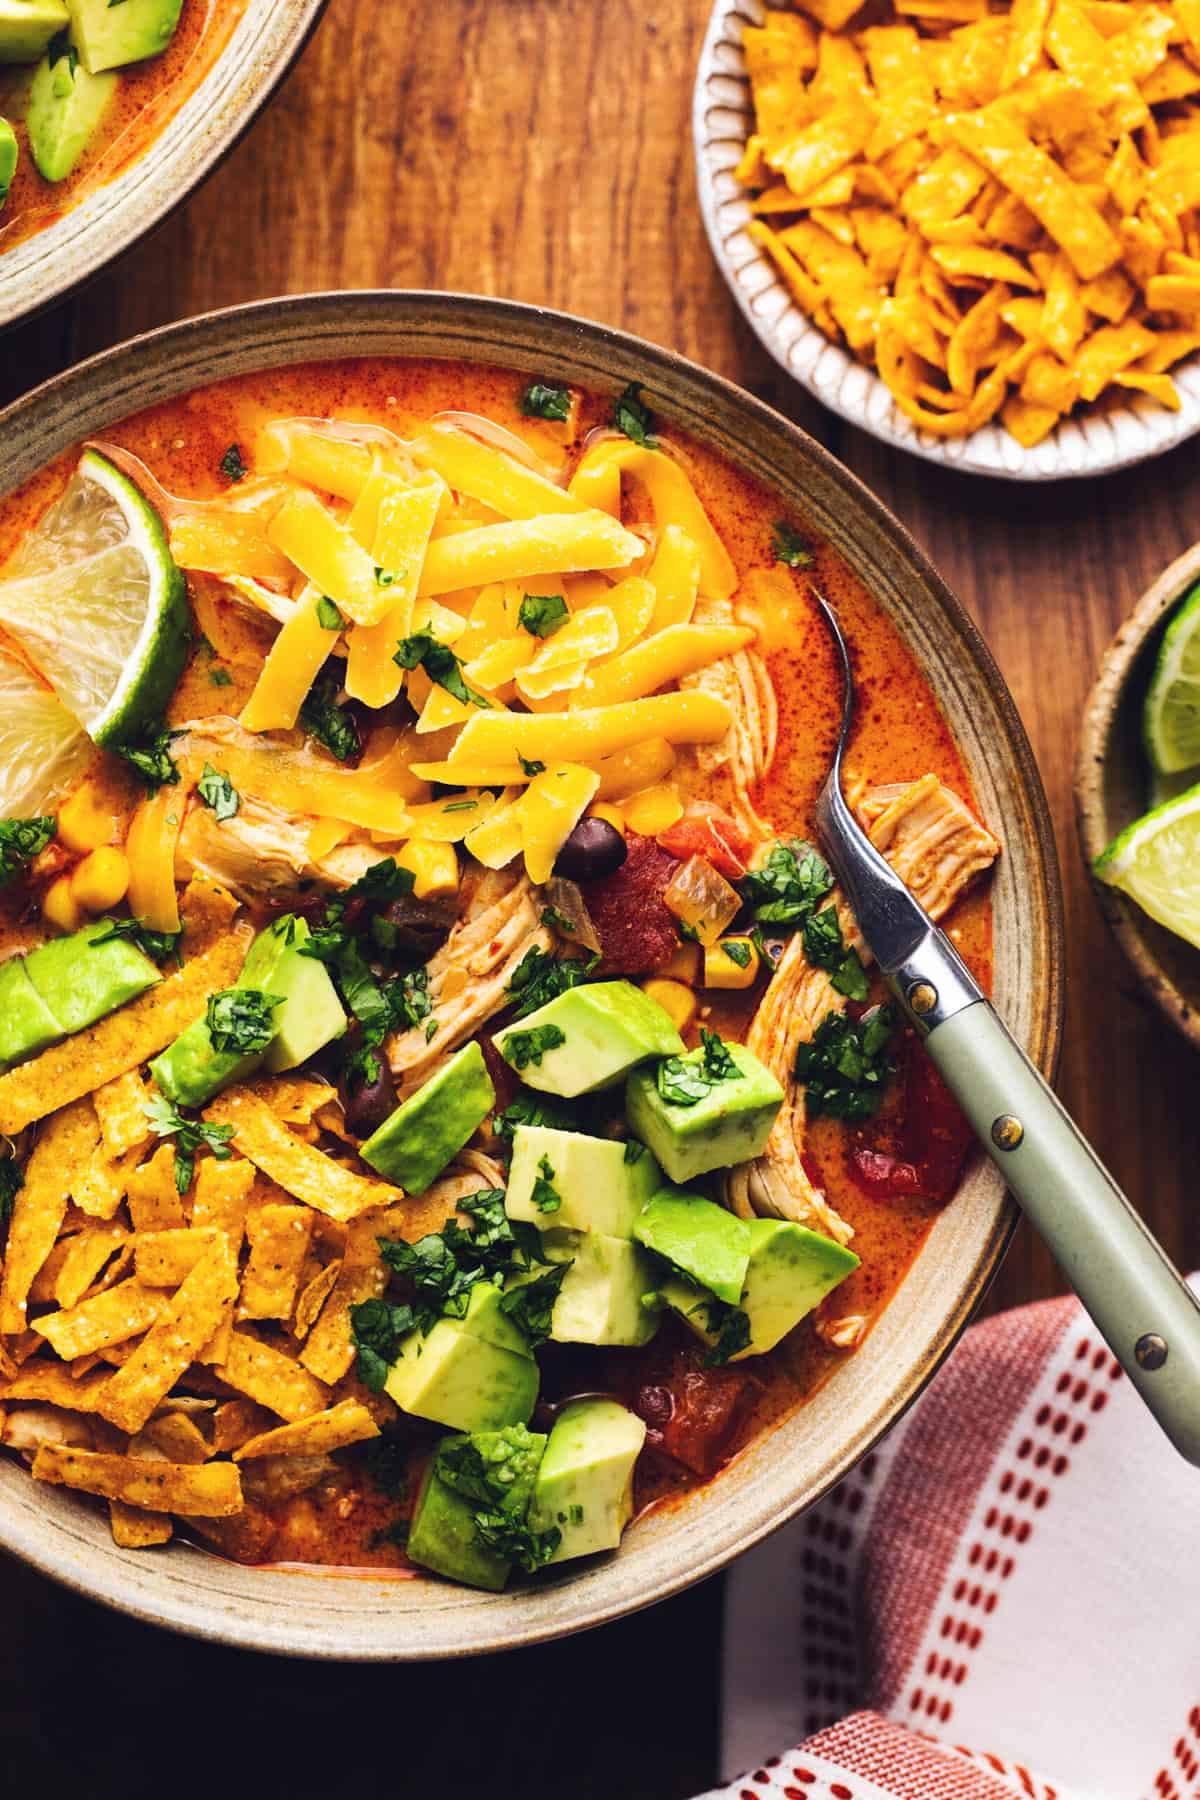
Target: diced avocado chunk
point(191, 1070)
point(109, 36)
point(443, 1536)
point(601, 1185)
point(588, 1038)
point(603, 1298)
point(699, 1238)
point(791, 1270)
point(26, 1023)
point(486, 1318)
point(26, 27)
point(9, 155)
point(81, 980)
point(311, 1015)
point(729, 1124)
point(462, 1380)
point(413, 1146)
point(585, 1482)
point(66, 107)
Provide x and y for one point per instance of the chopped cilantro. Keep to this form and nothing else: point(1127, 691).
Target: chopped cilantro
point(241, 1020)
point(487, 1474)
point(60, 45)
point(441, 1283)
point(12, 1180)
point(385, 1458)
point(718, 1063)
point(634, 1151)
point(542, 614)
point(150, 755)
point(631, 417)
point(531, 1305)
point(21, 840)
point(220, 678)
point(542, 401)
point(530, 1550)
point(788, 886)
point(191, 1135)
point(790, 546)
point(494, 1241)
point(846, 1065)
point(218, 791)
point(323, 717)
point(557, 921)
point(824, 948)
point(329, 616)
point(457, 806)
point(682, 1081)
point(377, 1329)
point(157, 944)
point(524, 1047)
point(386, 578)
point(530, 767)
point(546, 1196)
point(738, 951)
point(529, 1109)
point(439, 662)
point(540, 977)
point(232, 466)
point(733, 1334)
point(431, 1031)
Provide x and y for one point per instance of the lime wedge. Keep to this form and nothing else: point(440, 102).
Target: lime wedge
point(1171, 722)
point(42, 748)
point(1156, 861)
point(94, 599)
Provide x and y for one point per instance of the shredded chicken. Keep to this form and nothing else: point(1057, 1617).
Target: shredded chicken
point(268, 1478)
point(261, 850)
point(746, 752)
point(469, 976)
point(27, 1428)
point(469, 1173)
point(938, 847)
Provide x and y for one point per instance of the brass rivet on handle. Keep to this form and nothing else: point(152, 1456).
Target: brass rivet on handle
point(1150, 1350)
point(922, 997)
point(1007, 1132)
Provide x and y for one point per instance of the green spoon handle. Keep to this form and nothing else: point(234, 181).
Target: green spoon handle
point(1147, 1315)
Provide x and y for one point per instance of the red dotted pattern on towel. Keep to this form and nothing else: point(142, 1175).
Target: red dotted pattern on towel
point(1180, 1781)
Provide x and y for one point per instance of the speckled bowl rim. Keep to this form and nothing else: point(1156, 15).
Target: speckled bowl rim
point(1137, 935)
point(360, 1618)
point(1097, 441)
point(87, 237)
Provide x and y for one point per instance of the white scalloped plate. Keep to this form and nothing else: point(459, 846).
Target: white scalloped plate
point(1095, 441)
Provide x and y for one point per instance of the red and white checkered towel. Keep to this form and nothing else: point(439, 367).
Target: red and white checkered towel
point(1004, 1599)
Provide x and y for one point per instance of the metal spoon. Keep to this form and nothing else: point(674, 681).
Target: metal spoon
point(1147, 1315)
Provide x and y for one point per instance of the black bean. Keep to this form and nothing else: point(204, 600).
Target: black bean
point(594, 848)
point(365, 1104)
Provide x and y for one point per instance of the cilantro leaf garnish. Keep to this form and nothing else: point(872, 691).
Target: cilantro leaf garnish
point(156, 944)
point(220, 678)
point(191, 1136)
point(825, 949)
point(422, 650)
point(788, 885)
point(150, 755)
point(377, 1329)
point(241, 1021)
point(542, 614)
point(542, 401)
point(632, 417)
point(529, 766)
point(329, 616)
point(557, 921)
point(738, 952)
point(846, 1066)
point(495, 1241)
point(12, 1180)
point(21, 840)
point(545, 1196)
point(791, 546)
point(217, 790)
point(521, 1048)
point(531, 1306)
point(232, 466)
point(489, 1475)
point(514, 1541)
point(323, 717)
point(540, 977)
point(530, 1109)
point(733, 1334)
point(682, 1081)
point(445, 1265)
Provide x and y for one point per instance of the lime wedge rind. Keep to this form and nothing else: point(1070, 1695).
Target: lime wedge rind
point(1171, 716)
point(1156, 862)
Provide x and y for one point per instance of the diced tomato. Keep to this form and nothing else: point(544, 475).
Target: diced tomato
point(928, 1139)
point(637, 933)
point(705, 830)
point(693, 1414)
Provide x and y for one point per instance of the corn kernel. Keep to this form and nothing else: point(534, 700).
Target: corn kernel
point(612, 815)
point(674, 998)
point(101, 880)
point(434, 868)
point(87, 819)
point(59, 906)
point(684, 965)
point(655, 809)
point(723, 970)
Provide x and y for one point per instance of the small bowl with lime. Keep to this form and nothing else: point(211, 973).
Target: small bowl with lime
point(1137, 790)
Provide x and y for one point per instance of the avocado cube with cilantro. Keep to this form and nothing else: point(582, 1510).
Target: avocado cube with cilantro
point(472, 1505)
point(473, 1374)
point(584, 1486)
point(568, 1181)
point(87, 975)
point(426, 1131)
point(699, 1239)
point(709, 1109)
point(588, 1038)
point(608, 1292)
point(791, 1269)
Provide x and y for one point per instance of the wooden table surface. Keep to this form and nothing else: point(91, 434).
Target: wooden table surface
point(540, 149)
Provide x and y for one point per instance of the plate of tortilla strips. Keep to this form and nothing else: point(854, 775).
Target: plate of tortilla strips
point(969, 229)
point(456, 1144)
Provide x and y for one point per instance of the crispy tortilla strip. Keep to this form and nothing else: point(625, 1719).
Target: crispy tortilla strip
point(314, 1296)
point(53, 1383)
point(179, 1438)
point(279, 1239)
point(134, 1530)
point(213, 1490)
point(123, 1040)
point(154, 1200)
point(246, 1538)
point(265, 1374)
point(171, 1344)
point(329, 1350)
point(305, 1172)
point(217, 1347)
point(103, 1321)
point(86, 1254)
point(236, 1422)
point(207, 910)
point(40, 1206)
point(100, 1188)
point(345, 1423)
point(221, 1197)
point(120, 1108)
point(165, 1259)
point(46, 1279)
